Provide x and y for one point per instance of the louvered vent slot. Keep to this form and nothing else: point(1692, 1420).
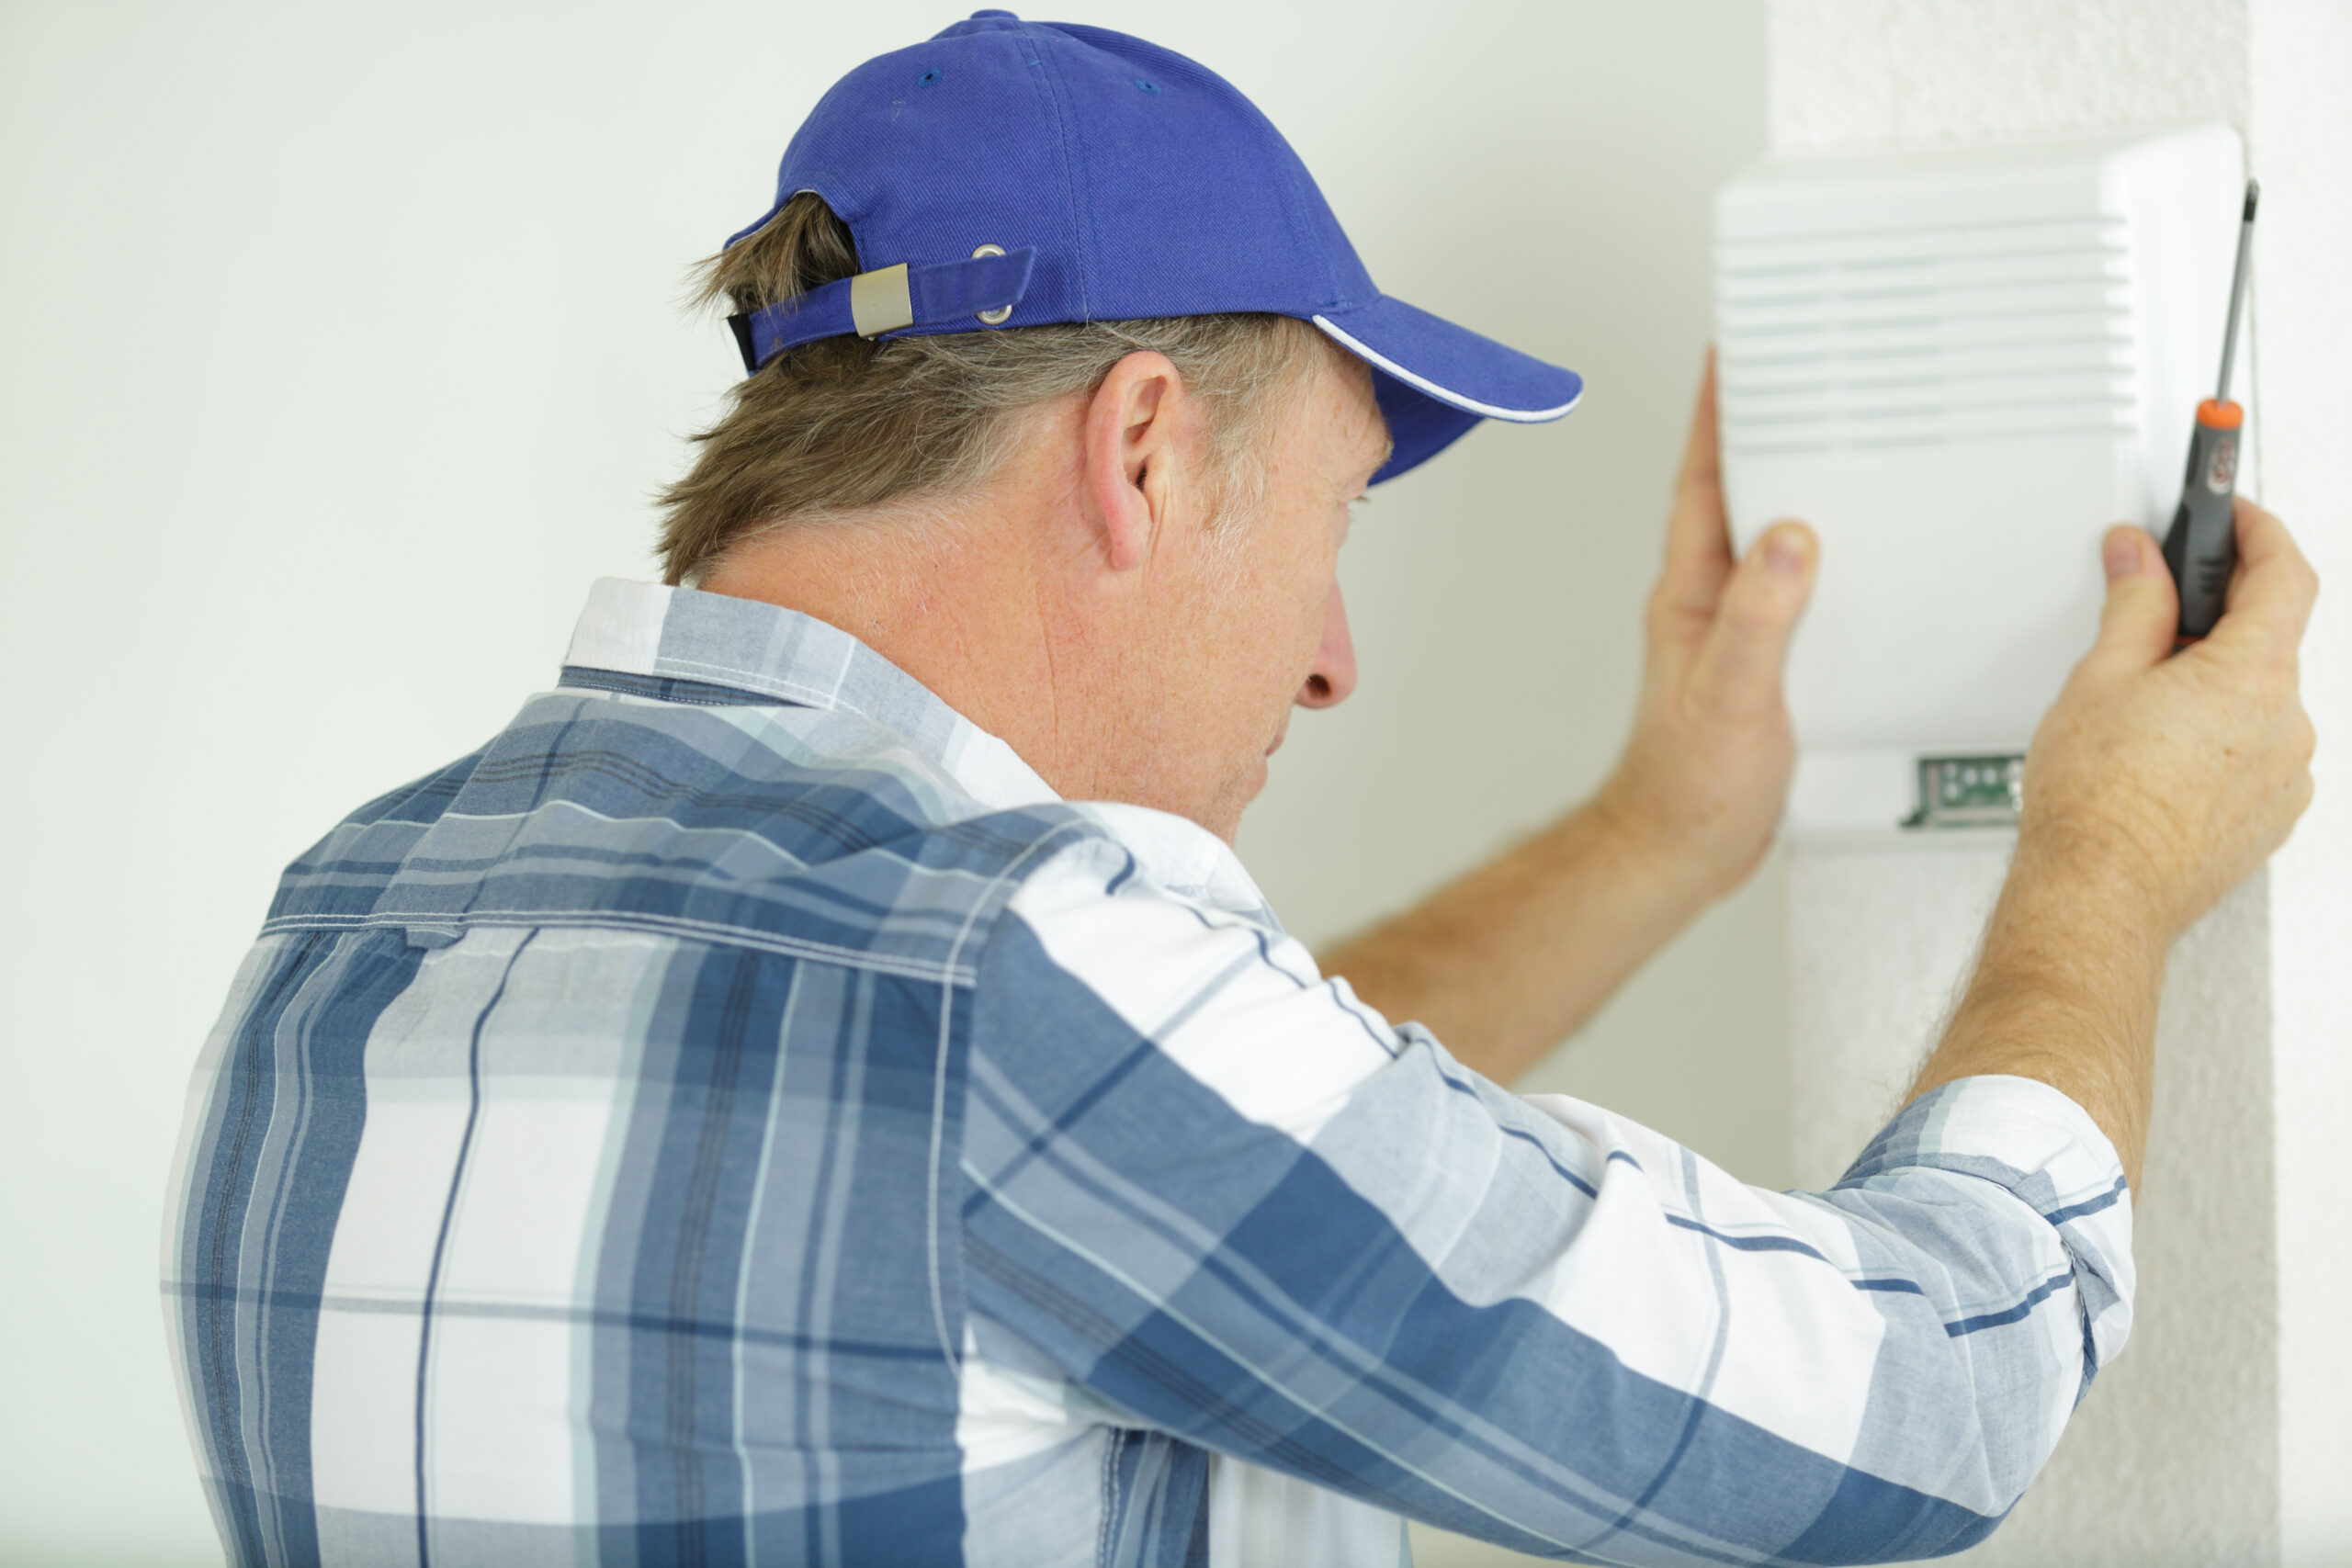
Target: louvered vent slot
point(1925, 335)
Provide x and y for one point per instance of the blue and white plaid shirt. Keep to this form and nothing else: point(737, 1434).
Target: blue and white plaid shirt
point(740, 1115)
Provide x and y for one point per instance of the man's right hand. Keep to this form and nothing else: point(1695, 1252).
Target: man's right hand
point(2175, 775)
point(2156, 783)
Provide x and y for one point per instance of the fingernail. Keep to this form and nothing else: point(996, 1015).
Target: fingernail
point(2122, 557)
point(1784, 555)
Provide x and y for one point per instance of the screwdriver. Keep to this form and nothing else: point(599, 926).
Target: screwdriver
point(2202, 548)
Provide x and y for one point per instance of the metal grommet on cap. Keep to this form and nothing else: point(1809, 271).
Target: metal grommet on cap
point(1003, 314)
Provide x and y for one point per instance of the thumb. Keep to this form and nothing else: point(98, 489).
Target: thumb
point(2142, 618)
point(1737, 671)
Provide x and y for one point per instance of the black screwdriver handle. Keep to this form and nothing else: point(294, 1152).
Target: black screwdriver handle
point(2203, 548)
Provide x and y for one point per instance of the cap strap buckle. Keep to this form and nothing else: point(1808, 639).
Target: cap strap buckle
point(881, 302)
point(887, 300)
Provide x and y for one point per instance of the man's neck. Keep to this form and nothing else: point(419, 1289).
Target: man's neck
point(955, 597)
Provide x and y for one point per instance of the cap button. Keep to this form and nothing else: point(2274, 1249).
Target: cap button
point(1007, 15)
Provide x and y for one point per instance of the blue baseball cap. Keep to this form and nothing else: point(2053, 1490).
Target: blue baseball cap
point(1009, 173)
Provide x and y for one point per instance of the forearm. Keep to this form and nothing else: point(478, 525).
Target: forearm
point(2065, 992)
point(1505, 963)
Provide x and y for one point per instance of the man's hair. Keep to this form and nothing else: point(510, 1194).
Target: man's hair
point(845, 423)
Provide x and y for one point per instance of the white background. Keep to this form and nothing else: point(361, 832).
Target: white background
point(340, 350)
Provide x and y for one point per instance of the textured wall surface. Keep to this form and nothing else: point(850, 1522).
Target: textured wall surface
point(2220, 1435)
point(2300, 135)
point(1872, 72)
point(1879, 944)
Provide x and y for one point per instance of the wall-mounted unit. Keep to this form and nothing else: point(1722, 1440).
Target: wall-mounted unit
point(1960, 366)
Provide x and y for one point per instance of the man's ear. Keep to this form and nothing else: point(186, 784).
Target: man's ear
point(1135, 432)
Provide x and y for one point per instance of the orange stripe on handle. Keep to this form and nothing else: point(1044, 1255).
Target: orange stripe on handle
point(2216, 413)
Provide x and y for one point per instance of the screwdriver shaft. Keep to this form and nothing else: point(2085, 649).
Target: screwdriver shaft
point(2237, 290)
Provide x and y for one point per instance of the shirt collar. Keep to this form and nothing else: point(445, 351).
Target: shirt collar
point(749, 646)
point(746, 645)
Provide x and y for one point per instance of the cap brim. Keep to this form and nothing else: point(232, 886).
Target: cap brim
point(1434, 380)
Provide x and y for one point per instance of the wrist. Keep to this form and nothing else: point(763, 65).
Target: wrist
point(1651, 851)
point(2097, 874)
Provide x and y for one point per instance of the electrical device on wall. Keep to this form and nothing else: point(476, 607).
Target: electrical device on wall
point(1960, 366)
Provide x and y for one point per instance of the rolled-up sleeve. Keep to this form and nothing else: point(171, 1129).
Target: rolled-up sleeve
point(1210, 1187)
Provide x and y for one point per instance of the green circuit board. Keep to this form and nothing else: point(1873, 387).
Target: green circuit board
point(1981, 790)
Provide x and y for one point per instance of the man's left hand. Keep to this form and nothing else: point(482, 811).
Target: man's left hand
point(1702, 783)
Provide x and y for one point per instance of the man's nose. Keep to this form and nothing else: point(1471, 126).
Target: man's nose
point(1334, 674)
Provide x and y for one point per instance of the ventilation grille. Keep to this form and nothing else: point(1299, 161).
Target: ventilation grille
point(1925, 335)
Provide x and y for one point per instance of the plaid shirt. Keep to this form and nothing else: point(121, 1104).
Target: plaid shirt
point(740, 1115)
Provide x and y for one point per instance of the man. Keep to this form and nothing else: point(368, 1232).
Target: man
point(746, 1112)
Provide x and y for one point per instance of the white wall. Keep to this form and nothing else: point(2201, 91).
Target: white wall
point(2219, 1436)
point(338, 353)
point(2299, 127)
